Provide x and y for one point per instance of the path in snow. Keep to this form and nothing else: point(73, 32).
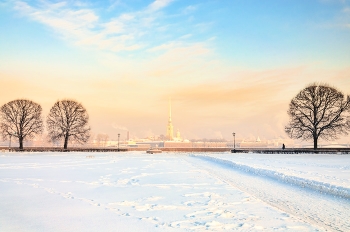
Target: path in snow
point(326, 211)
point(323, 172)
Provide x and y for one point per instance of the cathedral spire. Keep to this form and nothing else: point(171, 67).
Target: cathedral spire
point(170, 128)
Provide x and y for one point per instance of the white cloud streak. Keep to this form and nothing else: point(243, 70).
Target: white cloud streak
point(158, 4)
point(189, 9)
point(84, 27)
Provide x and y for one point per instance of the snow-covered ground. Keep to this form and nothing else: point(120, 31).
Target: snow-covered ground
point(312, 187)
point(135, 191)
point(323, 172)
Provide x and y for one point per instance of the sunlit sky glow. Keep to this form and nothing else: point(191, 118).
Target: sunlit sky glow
point(228, 66)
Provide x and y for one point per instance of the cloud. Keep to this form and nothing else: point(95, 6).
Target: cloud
point(189, 9)
point(344, 18)
point(82, 26)
point(180, 63)
point(114, 4)
point(166, 46)
point(244, 88)
point(67, 22)
point(186, 36)
point(203, 27)
point(158, 4)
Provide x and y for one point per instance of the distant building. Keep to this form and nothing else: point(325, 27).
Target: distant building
point(170, 129)
point(253, 144)
point(187, 143)
point(177, 144)
point(178, 135)
point(273, 143)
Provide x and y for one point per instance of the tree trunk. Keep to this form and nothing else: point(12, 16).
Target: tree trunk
point(20, 143)
point(65, 142)
point(315, 142)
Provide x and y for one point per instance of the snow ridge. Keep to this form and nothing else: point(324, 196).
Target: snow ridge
point(323, 187)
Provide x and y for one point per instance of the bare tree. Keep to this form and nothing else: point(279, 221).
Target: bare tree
point(318, 111)
point(102, 139)
point(21, 119)
point(68, 120)
point(162, 137)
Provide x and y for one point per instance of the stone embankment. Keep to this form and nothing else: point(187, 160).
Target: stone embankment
point(184, 149)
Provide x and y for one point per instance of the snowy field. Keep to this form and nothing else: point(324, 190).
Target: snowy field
point(136, 191)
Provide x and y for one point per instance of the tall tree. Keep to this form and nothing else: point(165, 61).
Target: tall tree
point(318, 111)
point(68, 120)
point(21, 119)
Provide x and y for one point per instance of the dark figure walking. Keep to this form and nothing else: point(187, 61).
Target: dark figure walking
point(283, 147)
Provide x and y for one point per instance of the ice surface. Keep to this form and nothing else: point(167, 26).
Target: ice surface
point(135, 191)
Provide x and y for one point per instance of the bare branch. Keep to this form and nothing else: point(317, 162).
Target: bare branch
point(318, 111)
point(68, 120)
point(21, 119)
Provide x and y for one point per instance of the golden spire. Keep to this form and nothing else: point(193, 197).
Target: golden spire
point(170, 128)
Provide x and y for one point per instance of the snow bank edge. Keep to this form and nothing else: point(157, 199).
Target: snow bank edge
point(323, 187)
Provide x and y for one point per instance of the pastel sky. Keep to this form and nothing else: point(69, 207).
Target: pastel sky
point(228, 66)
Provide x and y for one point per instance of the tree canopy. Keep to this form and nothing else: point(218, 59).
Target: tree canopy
point(21, 119)
point(68, 120)
point(318, 111)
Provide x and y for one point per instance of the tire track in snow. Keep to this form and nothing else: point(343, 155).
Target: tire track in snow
point(301, 182)
point(328, 212)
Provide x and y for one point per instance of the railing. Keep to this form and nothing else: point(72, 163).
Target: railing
point(184, 149)
point(293, 150)
point(60, 149)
